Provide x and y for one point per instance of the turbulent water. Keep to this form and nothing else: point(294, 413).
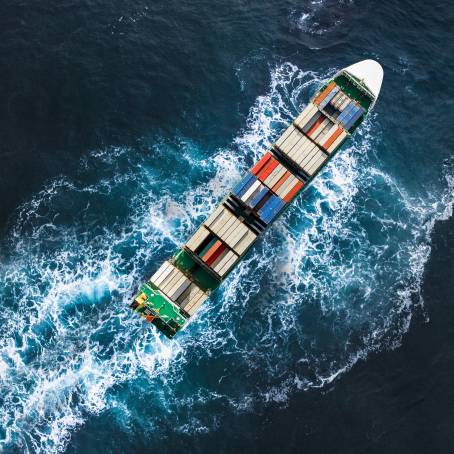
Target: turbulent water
point(339, 275)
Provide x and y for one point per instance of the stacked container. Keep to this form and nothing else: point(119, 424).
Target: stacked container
point(301, 150)
point(178, 288)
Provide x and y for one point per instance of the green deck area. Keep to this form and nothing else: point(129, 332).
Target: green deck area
point(157, 309)
point(354, 92)
point(151, 304)
point(187, 265)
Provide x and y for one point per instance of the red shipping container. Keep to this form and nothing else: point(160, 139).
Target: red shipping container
point(265, 158)
point(319, 121)
point(293, 192)
point(216, 254)
point(267, 169)
point(324, 93)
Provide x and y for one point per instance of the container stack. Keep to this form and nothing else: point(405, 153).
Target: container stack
point(301, 150)
point(267, 187)
point(338, 105)
point(221, 240)
point(180, 286)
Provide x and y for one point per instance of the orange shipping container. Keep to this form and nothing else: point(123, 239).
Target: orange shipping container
point(263, 161)
point(267, 169)
point(293, 191)
point(324, 93)
point(333, 137)
point(212, 250)
point(281, 181)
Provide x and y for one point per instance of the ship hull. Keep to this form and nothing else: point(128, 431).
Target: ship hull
point(181, 285)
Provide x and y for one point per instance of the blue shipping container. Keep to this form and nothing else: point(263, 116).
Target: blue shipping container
point(354, 118)
point(329, 97)
point(252, 202)
point(240, 189)
point(272, 206)
point(346, 112)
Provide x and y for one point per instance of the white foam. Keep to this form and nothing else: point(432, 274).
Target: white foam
point(68, 337)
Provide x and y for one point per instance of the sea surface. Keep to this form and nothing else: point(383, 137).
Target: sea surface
point(122, 125)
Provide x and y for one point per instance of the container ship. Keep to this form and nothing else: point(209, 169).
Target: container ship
point(177, 290)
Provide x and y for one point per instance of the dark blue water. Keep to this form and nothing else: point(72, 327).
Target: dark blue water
point(121, 126)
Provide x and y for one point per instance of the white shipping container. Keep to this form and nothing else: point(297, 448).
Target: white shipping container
point(220, 220)
point(307, 162)
point(166, 272)
point(226, 223)
point(250, 191)
point(226, 232)
point(302, 120)
point(198, 238)
point(245, 242)
point(299, 147)
point(192, 308)
point(305, 111)
point(231, 261)
point(315, 163)
point(232, 236)
point(320, 162)
point(292, 139)
point(307, 149)
point(170, 281)
point(255, 193)
point(222, 267)
point(214, 215)
point(284, 136)
point(303, 156)
point(158, 273)
point(231, 231)
point(232, 222)
point(236, 237)
point(275, 175)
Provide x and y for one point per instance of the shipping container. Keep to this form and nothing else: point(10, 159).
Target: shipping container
point(322, 95)
point(270, 210)
point(328, 97)
point(335, 145)
point(228, 227)
point(307, 113)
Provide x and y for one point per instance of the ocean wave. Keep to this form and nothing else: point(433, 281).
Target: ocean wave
point(338, 277)
point(320, 17)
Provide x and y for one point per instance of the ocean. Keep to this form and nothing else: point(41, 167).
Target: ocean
point(122, 125)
